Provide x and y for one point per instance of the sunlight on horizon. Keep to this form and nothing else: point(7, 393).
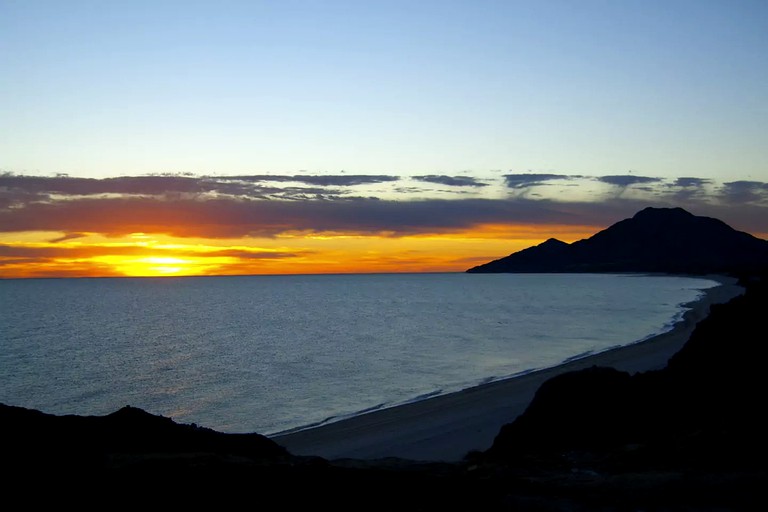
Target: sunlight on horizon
point(150, 266)
point(156, 255)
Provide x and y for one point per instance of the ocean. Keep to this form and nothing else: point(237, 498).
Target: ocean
point(268, 354)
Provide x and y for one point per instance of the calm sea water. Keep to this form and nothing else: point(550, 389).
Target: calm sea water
point(270, 353)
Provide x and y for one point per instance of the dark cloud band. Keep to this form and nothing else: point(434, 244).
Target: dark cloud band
point(230, 208)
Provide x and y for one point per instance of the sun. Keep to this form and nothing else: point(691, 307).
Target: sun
point(151, 266)
point(155, 266)
point(165, 265)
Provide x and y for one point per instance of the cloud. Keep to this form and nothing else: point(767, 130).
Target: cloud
point(14, 253)
point(67, 236)
point(519, 181)
point(217, 209)
point(142, 185)
point(20, 188)
point(24, 251)
point(744, 192)
point(230, 218)
point(251, 255)
point(691, 182)
point(626, 180)
point(452, 181)
point(689, 189)
point(339, 180)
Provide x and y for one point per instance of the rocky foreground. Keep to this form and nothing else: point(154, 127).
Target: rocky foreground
point(689, 437)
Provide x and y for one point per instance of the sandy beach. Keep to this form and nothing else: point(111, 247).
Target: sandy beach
point(447, 427)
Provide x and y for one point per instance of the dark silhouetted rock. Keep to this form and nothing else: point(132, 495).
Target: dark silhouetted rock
point(584, 409)
point(133, 458)
point(654, 240)
point(125, 437)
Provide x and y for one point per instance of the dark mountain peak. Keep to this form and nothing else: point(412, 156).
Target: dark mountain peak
point(670, 226)
point(552, 242)
point(670, 240)
point(673, 217)
point(650, 213)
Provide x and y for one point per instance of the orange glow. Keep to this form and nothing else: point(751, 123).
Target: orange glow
point(153, 266)
point(33, 254)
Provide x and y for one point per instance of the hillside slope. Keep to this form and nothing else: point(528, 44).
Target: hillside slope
point(668, 240)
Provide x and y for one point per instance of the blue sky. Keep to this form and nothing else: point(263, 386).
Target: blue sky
point(107, 88)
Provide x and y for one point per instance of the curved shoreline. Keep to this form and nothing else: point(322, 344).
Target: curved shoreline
point(447, 427)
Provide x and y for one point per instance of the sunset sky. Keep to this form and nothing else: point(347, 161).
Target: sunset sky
point(265, 137)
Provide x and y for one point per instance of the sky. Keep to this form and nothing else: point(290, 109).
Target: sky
point(192, 137)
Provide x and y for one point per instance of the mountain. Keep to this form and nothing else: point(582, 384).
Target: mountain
point(669, 240)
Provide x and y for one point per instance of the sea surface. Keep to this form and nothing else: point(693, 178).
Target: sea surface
point(268, 354)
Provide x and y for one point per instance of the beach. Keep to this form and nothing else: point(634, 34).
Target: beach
point(448, 427)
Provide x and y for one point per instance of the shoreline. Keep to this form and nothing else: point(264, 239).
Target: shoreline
point(446, 427)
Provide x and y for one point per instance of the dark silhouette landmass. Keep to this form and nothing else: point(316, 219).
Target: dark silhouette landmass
point(692, 436)
point(669, 240)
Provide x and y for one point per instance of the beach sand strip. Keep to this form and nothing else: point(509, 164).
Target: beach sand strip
point(447, 427)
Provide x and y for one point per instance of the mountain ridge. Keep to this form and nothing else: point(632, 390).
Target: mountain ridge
point(667, 240)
